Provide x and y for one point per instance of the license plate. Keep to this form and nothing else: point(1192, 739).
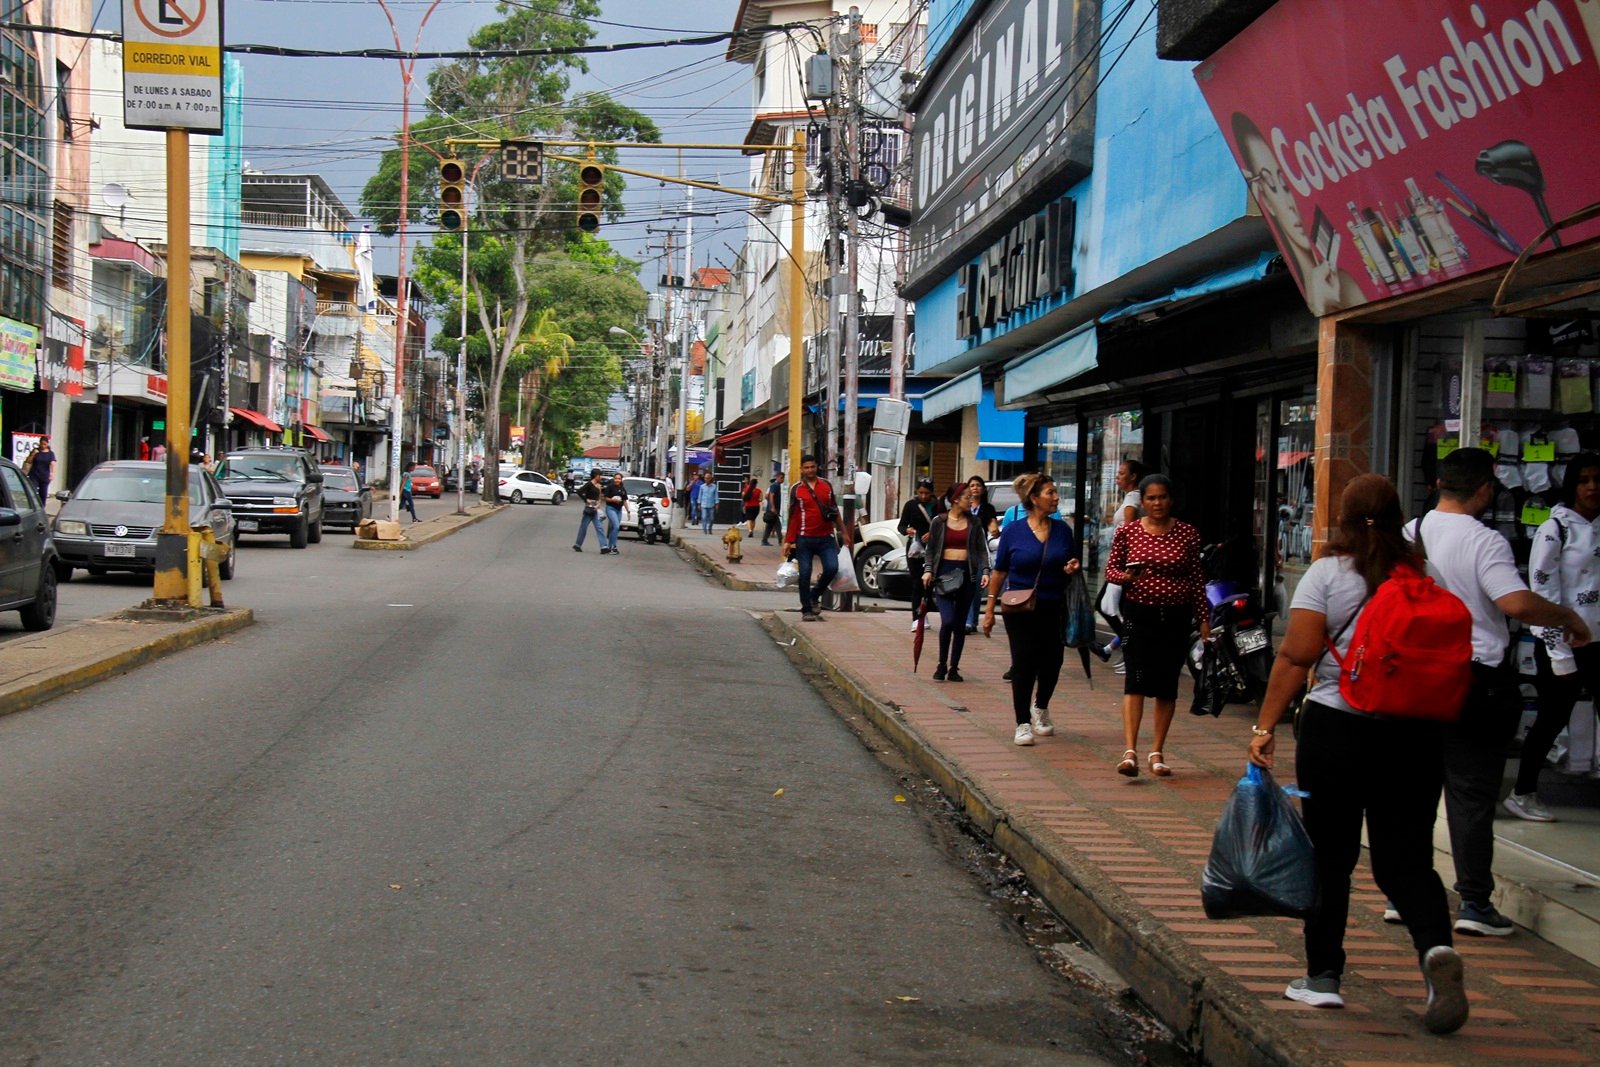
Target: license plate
point(114, 550)
point(1252, 640)
point(248, 525)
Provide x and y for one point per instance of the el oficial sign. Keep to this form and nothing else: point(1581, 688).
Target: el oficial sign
point(172, 65)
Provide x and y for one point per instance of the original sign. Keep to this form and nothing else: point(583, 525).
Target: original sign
point(1030, 262)
point(172, 65)
point(1005, 121)
point(1394, 148)
point(61, 358)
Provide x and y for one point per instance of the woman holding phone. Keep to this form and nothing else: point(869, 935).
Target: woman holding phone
point(1156, 560)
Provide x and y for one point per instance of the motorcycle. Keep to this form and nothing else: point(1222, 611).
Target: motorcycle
point(649, 520)
point(1234, 666)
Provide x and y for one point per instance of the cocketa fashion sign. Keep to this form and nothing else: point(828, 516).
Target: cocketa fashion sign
point(1394, 145)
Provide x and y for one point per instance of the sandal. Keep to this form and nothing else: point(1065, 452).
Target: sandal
point(1158, 766)
point(1129, 767)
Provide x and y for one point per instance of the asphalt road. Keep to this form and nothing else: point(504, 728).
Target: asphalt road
point(489, 802)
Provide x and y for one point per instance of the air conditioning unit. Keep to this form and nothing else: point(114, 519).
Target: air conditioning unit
point(886, 449)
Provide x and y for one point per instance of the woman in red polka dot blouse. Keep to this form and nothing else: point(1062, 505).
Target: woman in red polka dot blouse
point(1156, 560)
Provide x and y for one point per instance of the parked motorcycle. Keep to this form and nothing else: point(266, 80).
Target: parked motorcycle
point(1234, 666)
point(649, 520)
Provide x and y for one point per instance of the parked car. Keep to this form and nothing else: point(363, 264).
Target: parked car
point(345, 501)
point(28, 558)
point(452, 480)
point(656, 490)
point(274, 491)
point(874, 542)
point(425, 482)
point(530, 487)
point(110, 521)
point(894, 576)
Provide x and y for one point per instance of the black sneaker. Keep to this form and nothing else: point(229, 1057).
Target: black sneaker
point(577, 548)
point(939, 673)
point(954, 676)
point(1007, 676)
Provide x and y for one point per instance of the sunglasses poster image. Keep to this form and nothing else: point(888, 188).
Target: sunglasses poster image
point(1395, 144)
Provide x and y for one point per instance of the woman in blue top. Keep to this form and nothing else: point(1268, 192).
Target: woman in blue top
point(1037, 554)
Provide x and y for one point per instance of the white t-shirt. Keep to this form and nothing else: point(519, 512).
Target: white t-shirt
point(1332, 587)
point(1475, 563)
point(1130, 501)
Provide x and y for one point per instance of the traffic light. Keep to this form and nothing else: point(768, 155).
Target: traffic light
point(452, 194)
point(591, 195)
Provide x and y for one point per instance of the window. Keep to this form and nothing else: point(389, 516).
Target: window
point(22, 498)
point(63, 101)
point(869, 33)
point(22, 153)
point(61, 246)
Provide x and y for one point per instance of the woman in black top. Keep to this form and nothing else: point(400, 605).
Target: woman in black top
point(989, 522)
point(958, 555)
point(915, 520)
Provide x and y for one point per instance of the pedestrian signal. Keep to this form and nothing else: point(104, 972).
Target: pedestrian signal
point(452, 194)
point(591, 195)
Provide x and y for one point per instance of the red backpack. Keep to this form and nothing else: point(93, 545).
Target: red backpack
point(1411, 654)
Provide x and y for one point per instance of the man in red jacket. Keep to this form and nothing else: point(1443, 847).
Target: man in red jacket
point(814, 523)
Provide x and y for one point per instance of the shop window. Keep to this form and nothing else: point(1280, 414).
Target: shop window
point(1110, 440)
point(1283, 514)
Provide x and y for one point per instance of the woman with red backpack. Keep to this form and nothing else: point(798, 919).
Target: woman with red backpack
point(1384, 769)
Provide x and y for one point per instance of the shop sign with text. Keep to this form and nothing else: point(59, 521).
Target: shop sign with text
point(19, 347)
point(61, 359)
point(1031, 261)
point(1396, 144)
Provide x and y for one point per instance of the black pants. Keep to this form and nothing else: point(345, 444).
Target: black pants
point(1389, 773)
point(1036, 655)
point(1557, 694)
point(1474, 768)
point(953, 613)
point(1155, 647)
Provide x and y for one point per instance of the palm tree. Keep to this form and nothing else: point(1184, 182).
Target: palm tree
point(548, 351)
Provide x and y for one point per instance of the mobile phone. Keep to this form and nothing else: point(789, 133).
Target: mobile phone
point(1135, 565)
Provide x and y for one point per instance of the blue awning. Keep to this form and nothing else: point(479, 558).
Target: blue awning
point(1227, 278)
point(1053, 364)
point(960, 392)
point(1000, 433)
point(869, 398)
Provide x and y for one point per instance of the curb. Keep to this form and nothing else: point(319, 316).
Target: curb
point(428, 537)
point(1219, 1021)
point(710, 567)
point(30, 694)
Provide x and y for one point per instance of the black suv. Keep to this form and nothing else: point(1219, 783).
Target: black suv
point(274, 490)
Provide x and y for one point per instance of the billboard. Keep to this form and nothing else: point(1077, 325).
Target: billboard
point(1396, 144)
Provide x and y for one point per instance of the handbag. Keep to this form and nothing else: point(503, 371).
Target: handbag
point(949, 583)
point(1018, 601)
point(590, 510)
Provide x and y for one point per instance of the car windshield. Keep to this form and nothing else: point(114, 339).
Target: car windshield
point(134, 487)
point(644, 487)
point(261, 469)
point(335, 479)
point(423, 472)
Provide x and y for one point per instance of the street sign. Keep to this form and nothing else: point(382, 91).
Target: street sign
point(522, 161)
point(172, 65)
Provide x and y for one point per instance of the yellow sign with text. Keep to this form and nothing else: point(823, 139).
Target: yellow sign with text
point(197, 60)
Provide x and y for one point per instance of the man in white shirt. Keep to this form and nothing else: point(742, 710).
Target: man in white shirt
point(1475, 563)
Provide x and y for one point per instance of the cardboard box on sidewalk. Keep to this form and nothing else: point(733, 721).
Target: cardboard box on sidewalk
point(378, 530)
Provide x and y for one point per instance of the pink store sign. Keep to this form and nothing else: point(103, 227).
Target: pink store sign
point(1396, 144)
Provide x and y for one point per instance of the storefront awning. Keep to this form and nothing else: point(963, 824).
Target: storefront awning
point(318, 433)
point(1052, 364)
point(255, 418)
point(1228, 278)
point(866, 400)
point(745, 433)
point(960, 392)
point(1000, 433)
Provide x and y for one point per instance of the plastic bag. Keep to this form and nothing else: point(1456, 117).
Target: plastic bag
point(845, 580)
point(788, 574)
point(1077, 618)
point(1209, 687)
point(1261, 860)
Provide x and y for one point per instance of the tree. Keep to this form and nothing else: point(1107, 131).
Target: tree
point(514, 224)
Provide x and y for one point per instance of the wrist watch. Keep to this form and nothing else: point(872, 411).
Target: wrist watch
point(1259, 732)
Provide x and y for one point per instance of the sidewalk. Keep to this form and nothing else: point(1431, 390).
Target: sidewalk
point(416, 534)
point(1120, 859)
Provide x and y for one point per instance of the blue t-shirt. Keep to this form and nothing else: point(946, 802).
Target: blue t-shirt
point(1025, 558)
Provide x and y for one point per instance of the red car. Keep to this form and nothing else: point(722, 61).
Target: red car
point(425, 482)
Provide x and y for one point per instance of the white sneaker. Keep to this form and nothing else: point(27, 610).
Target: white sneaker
point(1321, 991)
point(1041, 722)
point(1528, 806)
point(1024, 734)
point(1121, 667)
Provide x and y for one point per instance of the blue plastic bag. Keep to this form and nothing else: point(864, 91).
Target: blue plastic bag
point(1262, 862)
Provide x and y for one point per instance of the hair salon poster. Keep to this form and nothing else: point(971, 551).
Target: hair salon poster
point(1396, 144)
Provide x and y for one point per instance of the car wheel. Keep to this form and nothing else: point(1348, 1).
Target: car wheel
point(314, 533)
point(559, 498)
point(868, 562)
point(300, 536)
point(516, 496)
point(63, 571)
point(227, 566)
point(41, 614)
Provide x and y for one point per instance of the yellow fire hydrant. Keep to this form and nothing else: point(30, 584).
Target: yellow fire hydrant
point(732, 539)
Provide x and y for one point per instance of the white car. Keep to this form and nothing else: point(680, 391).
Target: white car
point(526, 487)
point(656, 490)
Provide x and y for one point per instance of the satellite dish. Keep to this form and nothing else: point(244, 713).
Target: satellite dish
point(115, 195)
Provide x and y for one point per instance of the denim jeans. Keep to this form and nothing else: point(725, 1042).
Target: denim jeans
point(706, 516)
point(583, 529)
point(806, 550)
point(408, 503)
point(614, 520)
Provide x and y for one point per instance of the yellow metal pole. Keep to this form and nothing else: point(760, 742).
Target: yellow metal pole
point(172, 544)
point(797, 304)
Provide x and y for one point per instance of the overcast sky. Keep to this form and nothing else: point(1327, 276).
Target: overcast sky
point(334, 117)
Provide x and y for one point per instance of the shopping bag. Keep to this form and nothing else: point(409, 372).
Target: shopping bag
point(1261, 860)
point(845, 580)
point(788, 574)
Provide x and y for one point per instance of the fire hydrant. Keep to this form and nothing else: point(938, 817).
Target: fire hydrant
point(732, 539)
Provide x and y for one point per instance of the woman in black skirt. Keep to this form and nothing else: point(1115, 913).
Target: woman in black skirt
point(1156, 560)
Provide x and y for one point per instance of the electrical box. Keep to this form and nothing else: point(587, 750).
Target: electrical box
point(886, 449)
point(891, 416)
point(819, 77)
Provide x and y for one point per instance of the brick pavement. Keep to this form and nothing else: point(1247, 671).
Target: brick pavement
point(1121, 858)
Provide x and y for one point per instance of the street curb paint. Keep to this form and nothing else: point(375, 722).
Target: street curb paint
point(1208, 1010)
point(24, 695)
point(429, 536)
point(709, 567)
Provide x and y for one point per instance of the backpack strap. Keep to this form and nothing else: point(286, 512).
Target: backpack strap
point(1332, 645)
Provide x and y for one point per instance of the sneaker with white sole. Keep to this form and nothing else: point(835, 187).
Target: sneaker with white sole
point(1041, 722)
point(1528, 806)
point(1121, 667)
point(1482, 919)
point(1447, 990)
point(1319, 991)
point(1024, 734)
point(1391, 914)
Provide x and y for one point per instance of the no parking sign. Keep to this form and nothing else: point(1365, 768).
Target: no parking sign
point(172, 65)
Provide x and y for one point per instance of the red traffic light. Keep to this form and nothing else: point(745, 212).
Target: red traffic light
point(590, 174)
point(452, 172)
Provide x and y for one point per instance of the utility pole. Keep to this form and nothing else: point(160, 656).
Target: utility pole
point(836, 282)
point(683, 353)
point(663, 378)
point(900, 329)
point(852, 327)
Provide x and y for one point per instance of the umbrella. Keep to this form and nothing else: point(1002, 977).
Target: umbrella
point(919, 614)
point(1077, 624)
